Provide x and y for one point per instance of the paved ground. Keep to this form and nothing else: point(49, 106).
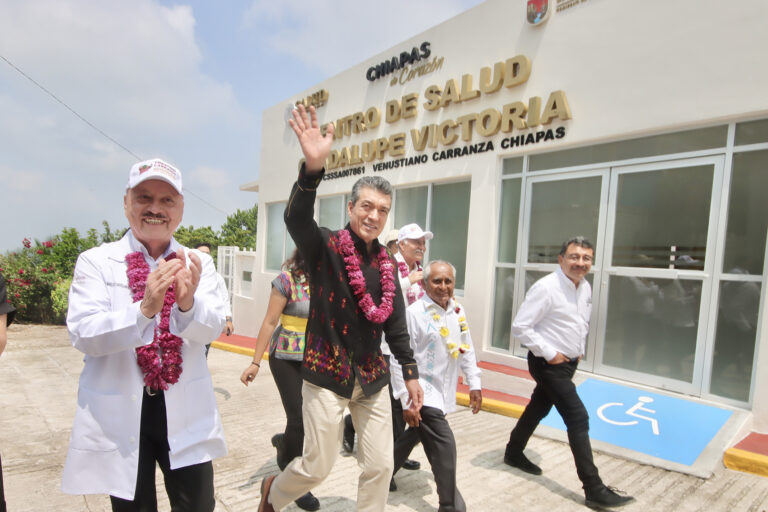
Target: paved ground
point(38, 378)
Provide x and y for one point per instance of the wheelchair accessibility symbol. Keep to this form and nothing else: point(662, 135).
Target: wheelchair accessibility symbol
point(632, 411)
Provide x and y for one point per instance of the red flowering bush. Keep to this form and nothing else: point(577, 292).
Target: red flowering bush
point(38, 275)
point(29, 288)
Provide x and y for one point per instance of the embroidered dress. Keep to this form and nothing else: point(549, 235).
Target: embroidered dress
point(289, 337)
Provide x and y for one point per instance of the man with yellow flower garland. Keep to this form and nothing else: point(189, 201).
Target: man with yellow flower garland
point(441, 344)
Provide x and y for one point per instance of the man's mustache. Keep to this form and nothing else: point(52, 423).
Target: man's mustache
point(157, 216)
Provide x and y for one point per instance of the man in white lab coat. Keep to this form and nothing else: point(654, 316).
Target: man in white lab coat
point(141, 310)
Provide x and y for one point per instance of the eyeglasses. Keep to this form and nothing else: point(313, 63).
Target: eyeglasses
point(576, 258)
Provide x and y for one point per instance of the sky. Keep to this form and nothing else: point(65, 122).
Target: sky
point(90, 87)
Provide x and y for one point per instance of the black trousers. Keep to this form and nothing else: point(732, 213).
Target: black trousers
point(554, 386)
point(287, 375)
point(440, 446)
point(190, 489)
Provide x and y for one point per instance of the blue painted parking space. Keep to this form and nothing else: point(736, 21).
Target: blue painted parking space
point(670, 428)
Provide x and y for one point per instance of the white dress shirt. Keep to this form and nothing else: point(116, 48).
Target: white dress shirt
point(554, 317)
point(107, 326)
point(438, 369)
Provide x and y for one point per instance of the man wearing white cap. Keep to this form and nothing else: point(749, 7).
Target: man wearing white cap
point(412, 242)
point(141, 310)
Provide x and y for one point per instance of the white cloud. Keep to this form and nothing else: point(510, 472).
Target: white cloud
point(132, 69)
point(332, 35)
point(21, 182)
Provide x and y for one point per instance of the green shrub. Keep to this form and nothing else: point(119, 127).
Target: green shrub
point(60, 300)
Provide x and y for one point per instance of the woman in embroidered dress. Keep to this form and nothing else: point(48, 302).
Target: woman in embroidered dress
point(283, 330)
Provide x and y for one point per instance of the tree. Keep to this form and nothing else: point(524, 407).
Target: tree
point(240, 228)
point(191, 236)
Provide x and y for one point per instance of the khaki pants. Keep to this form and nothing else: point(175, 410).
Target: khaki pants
point(323, 412)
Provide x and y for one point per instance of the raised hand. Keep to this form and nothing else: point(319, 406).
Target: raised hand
point(315, 146)
point(187, 279)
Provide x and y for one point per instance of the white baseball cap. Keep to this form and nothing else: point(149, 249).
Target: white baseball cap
point(413, 232)
point(155, 169)
point(391, 236)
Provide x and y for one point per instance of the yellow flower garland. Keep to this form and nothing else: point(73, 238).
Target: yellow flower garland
point(453, 349)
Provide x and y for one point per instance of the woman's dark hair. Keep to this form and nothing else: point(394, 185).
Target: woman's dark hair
point(295, 265)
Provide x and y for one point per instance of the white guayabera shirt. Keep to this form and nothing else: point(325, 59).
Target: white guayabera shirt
point(433, 330)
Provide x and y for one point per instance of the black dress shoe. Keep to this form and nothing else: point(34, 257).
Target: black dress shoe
point(392, 485)
point(348, 442)
point(605, 496)
point(522, 463)
point(277, 442)
point(413, 465)
point(308, 502)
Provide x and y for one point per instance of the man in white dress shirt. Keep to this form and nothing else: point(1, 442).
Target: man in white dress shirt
point(141, 310)
point(441, 344)
point(553, 322)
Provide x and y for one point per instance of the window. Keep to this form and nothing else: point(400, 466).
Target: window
point(332, 212)
point(740, 284)
point(662, 218)
point(442, 208)
point(411, 206)
point(279, 243)
point(747, 214)
point(753, 132)
point(510, 216)
point(246, 284)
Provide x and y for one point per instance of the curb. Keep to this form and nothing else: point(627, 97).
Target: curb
point(232, 348)
point(237, 349)
point(494, 406)
point(746, 462)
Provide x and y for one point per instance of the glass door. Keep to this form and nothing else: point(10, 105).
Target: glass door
point(655, 282)
point(558, 207)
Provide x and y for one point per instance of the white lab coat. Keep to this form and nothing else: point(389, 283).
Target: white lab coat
point(107, 326)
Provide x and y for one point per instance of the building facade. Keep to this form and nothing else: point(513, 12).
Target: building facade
point(506, 130)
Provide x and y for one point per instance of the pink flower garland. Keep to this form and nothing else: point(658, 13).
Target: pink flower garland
point(377, 315)
point(404, 272)
point(158, 374)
